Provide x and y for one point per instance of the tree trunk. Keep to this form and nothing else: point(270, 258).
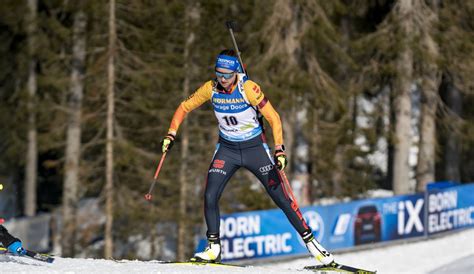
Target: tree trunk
point(403, 82)
point(109, 189)
point(451, 159)
point(31, 168)
point(388, 182)
point(183, 230)
point(337, 175)
point(301, 158)
point(425, 170)
point(192, 14)
point(73, 136)
point(315, 143)
point(289, 130)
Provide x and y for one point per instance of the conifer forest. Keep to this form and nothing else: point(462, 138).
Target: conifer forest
point(372, 94)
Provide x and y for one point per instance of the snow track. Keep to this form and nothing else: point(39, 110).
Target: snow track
point(431, 256)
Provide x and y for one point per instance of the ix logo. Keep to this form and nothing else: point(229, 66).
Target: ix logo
point(406, 227)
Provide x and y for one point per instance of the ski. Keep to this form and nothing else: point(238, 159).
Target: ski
point(339, 268)
point(32, 255)
point(201, 264)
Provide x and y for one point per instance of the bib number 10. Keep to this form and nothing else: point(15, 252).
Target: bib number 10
point(230, 120)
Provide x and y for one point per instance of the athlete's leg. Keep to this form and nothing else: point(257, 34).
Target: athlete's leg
point(224, 164)
point(259, 162)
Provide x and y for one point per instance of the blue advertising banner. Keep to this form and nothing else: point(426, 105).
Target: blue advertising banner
point(261, 234)
point(402, 217)
point(373, 220)
point(450, 208)
point(256, 234)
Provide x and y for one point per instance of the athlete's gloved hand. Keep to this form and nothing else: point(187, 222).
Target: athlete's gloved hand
point(280, 159)
point(167, 143)
point(16, 248)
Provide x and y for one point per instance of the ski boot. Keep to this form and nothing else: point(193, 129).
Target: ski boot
point(212, 253)
point(317, 250)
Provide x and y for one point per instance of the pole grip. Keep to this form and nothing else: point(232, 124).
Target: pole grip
point(230, 24)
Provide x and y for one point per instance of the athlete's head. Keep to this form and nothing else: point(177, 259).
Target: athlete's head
point(227, 66)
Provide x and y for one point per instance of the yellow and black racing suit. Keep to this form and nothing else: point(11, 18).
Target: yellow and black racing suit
point(241, 144)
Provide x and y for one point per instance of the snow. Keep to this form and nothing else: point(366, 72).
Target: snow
point(416, 257)
point(432, 256)
point(373, 193)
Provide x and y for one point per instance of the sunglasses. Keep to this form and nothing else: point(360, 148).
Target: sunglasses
point(224, 75)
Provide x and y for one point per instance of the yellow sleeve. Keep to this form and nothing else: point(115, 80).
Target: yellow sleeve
point(253, 92)
point(257, 98)
point(273, 119)
point(195, 100)
point(200, 96)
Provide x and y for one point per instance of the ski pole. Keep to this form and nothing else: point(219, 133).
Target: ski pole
point(231, 25)
point(148, 196)
point(294, 203)
point(288, 187)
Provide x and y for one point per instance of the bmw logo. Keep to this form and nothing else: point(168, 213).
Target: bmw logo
point(314, 220)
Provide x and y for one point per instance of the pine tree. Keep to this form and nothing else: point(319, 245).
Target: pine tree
point(109, 150)
point(12, 122)
point(293, 71)
point(398, 66)
point(31, 170)
point(73, 135)
point(192, 15)
point(455, 120)
point(425, 170)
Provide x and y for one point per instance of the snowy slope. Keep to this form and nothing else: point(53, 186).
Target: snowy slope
point(419, 257)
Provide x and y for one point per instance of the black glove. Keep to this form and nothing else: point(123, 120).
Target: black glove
point(167, 143)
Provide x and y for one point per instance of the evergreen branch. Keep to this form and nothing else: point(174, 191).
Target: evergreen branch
point(97, 139)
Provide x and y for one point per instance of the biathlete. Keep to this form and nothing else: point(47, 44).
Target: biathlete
point(237, 102)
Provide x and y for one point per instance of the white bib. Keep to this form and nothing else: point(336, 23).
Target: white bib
point(237, 118)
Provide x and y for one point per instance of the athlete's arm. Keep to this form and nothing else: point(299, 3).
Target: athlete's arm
point(273, 119)
point(196, 99)
point(258, 99)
